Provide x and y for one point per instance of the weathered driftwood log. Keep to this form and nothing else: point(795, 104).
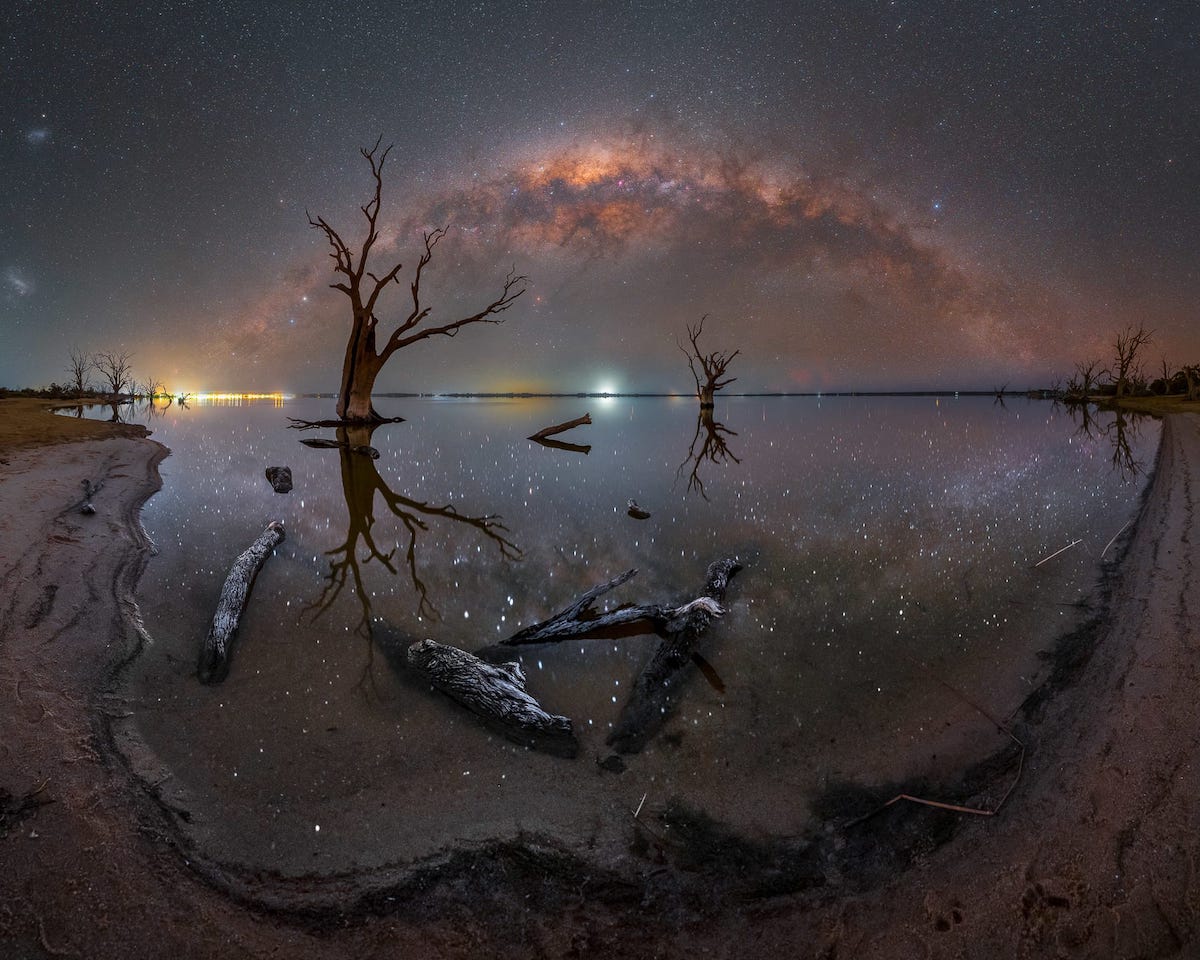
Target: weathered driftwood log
point(495, 692)
point(561, 427)
point(322, 444)
point(280, 479)
point(214, 656)
point(657, 686)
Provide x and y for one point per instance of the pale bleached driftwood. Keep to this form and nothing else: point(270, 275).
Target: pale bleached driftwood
point(214, 657)
point(495, 692)
point(561, 427)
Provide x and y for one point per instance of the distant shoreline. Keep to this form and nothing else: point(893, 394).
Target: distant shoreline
point(688, 396)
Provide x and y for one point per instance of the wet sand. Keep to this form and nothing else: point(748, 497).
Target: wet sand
point(1092, 855)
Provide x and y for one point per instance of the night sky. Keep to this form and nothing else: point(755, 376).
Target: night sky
point(860, 194)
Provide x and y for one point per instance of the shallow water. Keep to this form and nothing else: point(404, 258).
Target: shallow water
point(889, 597)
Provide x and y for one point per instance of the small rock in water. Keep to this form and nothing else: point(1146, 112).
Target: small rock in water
point(637, 512)
point(612, 763)
point(280, 478)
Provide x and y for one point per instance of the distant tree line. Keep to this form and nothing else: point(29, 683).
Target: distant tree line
point(1127, 373)
point(102, 373)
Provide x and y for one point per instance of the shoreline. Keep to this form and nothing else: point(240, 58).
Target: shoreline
point(1046, 891)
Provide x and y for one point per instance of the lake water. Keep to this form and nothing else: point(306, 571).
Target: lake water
point(889, 591)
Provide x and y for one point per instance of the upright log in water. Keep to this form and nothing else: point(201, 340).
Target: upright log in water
point(214, 657)
point(495, 692)
point(657, 686)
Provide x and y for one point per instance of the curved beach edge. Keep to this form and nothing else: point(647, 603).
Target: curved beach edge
point(1092, 855)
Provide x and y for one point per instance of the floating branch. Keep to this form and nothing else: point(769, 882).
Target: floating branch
point(214, 657)
point(561, 428)
point(495, 692)
point(637, 512)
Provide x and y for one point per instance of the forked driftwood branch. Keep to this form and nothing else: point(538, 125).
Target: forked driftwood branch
point(214, 656)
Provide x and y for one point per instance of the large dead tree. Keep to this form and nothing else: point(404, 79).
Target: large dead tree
point(81, 364)
point(1126, 363)
point(713, 365)
point(367, 350)
point(117, 371)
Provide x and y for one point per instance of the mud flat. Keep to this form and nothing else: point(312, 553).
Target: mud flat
point(1092, 855)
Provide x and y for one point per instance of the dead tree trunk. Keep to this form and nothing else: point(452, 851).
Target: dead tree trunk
point(495, 692)
point(367, 348)
point(214, 657)
point(657, 686)
point(712, 365)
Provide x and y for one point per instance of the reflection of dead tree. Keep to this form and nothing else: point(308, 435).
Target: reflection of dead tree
point(361, 484)
point(1121, 433)
point(712, 364)
point(713, 449)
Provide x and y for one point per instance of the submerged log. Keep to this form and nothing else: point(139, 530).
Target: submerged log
point(495, 692)
point(297, 424)
point(657, 686)
point(561, 427)
point(321, 443)
point(215, 655)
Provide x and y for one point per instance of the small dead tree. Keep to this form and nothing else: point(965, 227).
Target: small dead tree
point(1126, 364)
point(117, 371)
point(365, 357)
point(79, 366)
point(713, 365)
point(1192, 375)
point(1087, 373)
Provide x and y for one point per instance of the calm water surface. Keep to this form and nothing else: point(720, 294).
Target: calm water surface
point(889, 584)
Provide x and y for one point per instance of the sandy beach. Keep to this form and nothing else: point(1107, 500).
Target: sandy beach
point(1092, 855)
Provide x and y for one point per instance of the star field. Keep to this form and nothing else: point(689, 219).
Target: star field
point(876, 194)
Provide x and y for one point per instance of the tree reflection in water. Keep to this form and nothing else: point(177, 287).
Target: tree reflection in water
point(361, 484)
point(1123, 431)
point(708, 446)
